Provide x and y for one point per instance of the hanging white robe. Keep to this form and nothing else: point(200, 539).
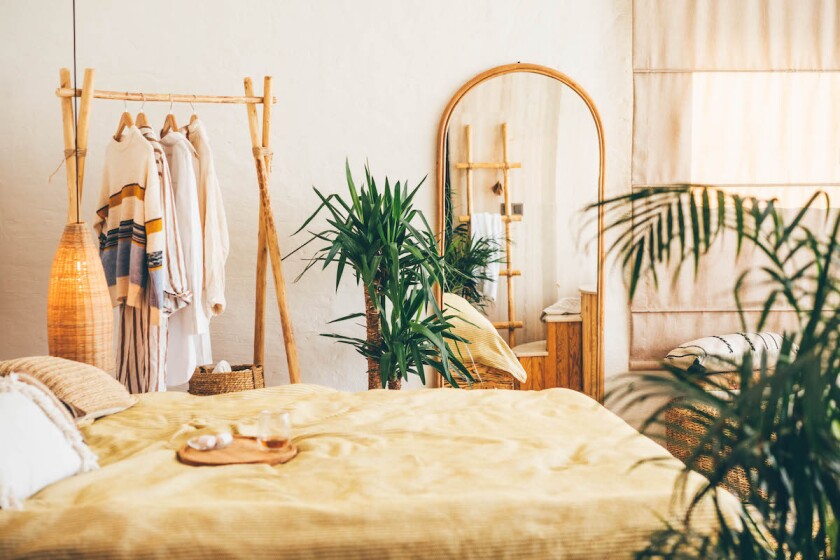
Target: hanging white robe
point(213, 219)
point(189, 328)
point(175, 292)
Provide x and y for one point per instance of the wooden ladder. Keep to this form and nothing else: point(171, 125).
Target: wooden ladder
point(507, 218)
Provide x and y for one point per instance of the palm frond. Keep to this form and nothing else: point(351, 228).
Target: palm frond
point(781, 428)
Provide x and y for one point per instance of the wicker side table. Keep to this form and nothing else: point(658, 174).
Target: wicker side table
point(242, 378)
point(683, 441)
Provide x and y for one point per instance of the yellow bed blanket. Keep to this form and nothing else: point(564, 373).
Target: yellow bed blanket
point(380, 474)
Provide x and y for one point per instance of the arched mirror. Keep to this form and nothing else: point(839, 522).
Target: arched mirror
point(520, 154)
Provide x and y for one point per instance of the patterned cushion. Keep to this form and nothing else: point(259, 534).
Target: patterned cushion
point(88, 392)
point(717, 354)
point(485, 346)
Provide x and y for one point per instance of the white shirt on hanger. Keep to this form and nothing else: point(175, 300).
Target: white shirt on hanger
point(213, 219)
point(189, 328)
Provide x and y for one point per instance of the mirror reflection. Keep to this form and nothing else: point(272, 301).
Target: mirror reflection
point(521, 161)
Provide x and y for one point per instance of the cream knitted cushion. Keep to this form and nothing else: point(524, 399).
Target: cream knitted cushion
point(39, 443)
point(485, 346)
point(49, 395)
point(88, 391)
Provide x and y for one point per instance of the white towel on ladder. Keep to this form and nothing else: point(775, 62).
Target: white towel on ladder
point(489, 226)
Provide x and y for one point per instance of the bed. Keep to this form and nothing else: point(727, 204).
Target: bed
point(380, 474)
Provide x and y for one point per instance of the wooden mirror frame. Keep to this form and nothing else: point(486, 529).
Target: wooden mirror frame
point(441, 176)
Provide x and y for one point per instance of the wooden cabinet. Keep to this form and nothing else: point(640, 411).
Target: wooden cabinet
point(561, 364)
point(568, 358)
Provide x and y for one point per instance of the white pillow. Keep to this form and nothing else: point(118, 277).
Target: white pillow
point(39, 443)
point(719, 354)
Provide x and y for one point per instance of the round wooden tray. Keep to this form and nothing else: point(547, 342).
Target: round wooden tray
point(243, 450)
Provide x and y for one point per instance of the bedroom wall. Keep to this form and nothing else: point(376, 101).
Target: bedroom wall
point(362, 79)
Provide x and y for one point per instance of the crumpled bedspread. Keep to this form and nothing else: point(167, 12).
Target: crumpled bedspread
point(381, 474)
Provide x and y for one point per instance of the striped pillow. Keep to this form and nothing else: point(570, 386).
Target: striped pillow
point(719, 354)
point(485, 346)
point(88, 391)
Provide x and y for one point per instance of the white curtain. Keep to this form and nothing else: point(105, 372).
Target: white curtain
point(742, 94)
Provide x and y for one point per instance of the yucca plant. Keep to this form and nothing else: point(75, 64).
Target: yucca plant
point(389, 246)
point(781, 428)
point(466, 259)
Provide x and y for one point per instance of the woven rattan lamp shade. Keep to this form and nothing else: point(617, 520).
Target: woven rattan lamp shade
point(79, 313)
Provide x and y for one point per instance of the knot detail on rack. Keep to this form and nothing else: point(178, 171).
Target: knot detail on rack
point(77, 152)
point(67, 155)
point(262, 152)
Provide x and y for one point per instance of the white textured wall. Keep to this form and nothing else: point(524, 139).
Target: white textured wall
point(364, 79)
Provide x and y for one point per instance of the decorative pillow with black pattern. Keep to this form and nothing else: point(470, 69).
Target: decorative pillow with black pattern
point(719, 354)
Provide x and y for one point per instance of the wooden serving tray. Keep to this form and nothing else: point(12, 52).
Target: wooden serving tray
point(243, 450)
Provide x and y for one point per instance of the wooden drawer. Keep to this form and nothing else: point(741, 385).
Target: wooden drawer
point(563, 366)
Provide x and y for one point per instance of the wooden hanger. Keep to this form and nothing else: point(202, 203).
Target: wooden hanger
point(194, 116)
point(169, 123)
point(125, 121)
point(141, 115)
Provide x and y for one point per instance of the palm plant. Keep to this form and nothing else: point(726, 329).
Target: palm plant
point(391, 249)
point(466, 259)
point(781, 428)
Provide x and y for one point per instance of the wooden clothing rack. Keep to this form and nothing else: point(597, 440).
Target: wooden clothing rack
point(507, 217)
point(75, 150)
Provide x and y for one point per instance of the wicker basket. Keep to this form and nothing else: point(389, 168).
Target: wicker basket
point(681, 443)
point(486, 377)
point(241, 378)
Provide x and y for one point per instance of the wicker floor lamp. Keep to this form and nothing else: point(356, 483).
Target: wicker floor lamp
point(79, 312)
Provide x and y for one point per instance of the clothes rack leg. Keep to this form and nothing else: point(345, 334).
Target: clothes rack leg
point(262, 159)
point(259, 311)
